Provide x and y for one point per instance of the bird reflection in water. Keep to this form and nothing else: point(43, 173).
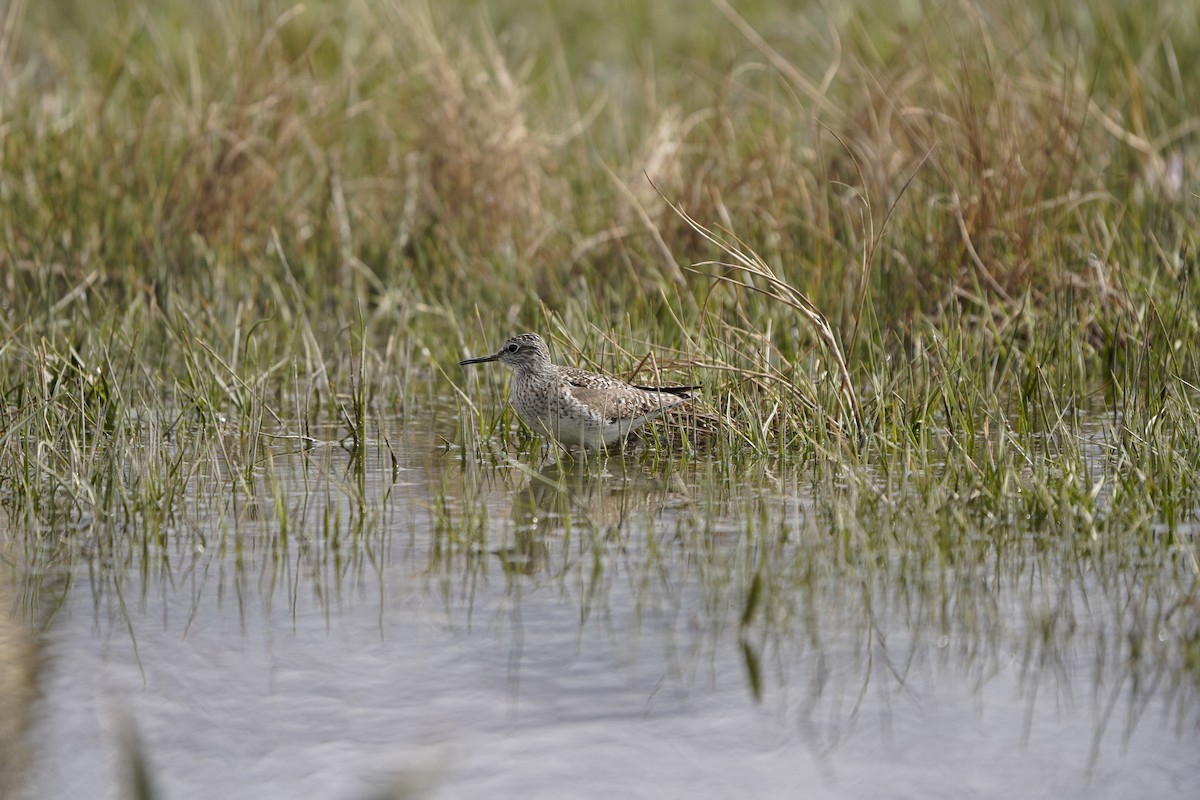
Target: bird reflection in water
point(597, 495)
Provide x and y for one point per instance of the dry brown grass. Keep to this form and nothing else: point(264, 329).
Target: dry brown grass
point(489, 180)
point(390, 145)
point(1005, 177)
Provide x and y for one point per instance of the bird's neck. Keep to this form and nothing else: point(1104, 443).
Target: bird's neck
point(534, 375)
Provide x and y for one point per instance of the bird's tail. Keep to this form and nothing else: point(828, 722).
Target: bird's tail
point(676, 390)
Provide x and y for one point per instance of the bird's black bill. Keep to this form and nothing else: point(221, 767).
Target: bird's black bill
point(481, 360)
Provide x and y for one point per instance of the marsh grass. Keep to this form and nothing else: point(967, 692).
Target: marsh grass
point(957, 341)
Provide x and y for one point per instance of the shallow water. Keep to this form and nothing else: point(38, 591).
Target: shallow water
point(463, 626)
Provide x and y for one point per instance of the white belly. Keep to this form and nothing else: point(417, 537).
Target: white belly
point(574, 431)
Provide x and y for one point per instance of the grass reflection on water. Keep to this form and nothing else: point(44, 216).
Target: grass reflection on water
point(802, 588)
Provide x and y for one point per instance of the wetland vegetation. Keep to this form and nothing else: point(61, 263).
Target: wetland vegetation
point(932, 522)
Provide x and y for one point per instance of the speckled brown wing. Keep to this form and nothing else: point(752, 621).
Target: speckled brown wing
point(619, 401)
point(585, 379)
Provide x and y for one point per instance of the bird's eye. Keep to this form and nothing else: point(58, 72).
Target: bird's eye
point(513, 347)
